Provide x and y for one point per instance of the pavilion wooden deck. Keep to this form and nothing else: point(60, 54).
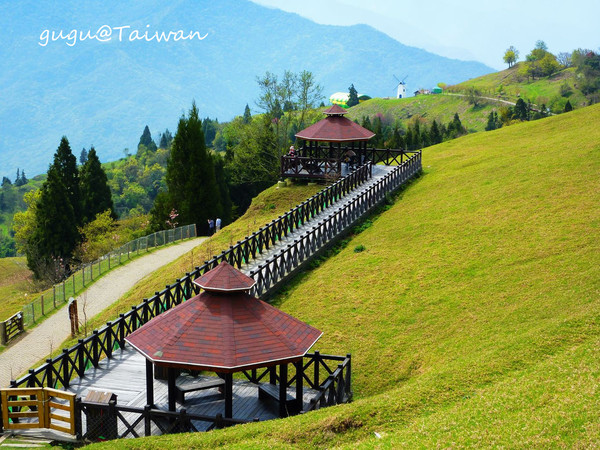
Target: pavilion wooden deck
point(124, 375)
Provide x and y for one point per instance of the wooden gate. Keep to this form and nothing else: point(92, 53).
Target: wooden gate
point(26, 408)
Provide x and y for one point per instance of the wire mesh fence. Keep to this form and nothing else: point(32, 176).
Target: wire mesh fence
point(58, 295)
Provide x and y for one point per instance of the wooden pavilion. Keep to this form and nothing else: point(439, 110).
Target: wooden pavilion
point(326, 146)
point(225, 330)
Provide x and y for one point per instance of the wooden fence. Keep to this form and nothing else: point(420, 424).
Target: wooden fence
point(58, 295)
point(11, 328)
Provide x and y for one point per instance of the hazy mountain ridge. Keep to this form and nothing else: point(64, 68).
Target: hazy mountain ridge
point(104, 93)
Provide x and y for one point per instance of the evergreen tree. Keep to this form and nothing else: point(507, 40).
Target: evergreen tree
point(353, 98)
point(247, 118)
point(66, 166)
point(6, 182)
point(55, 233)
point(434, 134)
point(18, 176)
point(24, 179)
point(521, 112)
point(83, 156)
point(455, 127)
point(165, 139)
point(190, 176)
point(568, 106)
point(146, 140)
point(493, 121)
point(366, 123)
point(95, 193)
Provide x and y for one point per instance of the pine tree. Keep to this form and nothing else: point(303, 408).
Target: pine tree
point(190, 176)
point(95, 193)
point(66, 166)
point(434, 133)
point(6, 181)
point(146, 140)
point(83, 156)
point(521, 112)
point(247, 118)
point(55, 233)
point(18, 176)
point(165, 139)
point(353, 98)
point(568, 106)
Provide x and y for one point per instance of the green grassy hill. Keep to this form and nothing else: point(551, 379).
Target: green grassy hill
point(473, 313)
point(508, 85)
point(439, 107)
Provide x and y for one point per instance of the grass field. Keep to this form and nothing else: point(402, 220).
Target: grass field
point(473, 313)
point(15, 284)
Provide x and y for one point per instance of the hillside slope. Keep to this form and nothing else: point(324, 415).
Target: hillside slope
point(439, 107)
point(553, 91)
point(472, 314)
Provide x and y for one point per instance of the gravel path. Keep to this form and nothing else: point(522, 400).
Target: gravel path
point(51, 333)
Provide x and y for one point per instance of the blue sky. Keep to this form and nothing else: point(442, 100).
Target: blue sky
point(478, 30)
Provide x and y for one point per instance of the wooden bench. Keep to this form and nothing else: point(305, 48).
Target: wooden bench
point(271, 391)
point(199, 386)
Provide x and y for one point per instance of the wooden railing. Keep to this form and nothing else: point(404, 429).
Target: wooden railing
point(132, 422)
point(297, 166)
point(280, 265)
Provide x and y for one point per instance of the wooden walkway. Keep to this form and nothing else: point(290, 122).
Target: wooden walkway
point(125, 376)
point(379, 172)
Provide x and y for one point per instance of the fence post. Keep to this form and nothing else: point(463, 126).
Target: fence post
point(3, 337)
point(54, 295)
point(64, 292)
point(42, 304)
point(73, 284)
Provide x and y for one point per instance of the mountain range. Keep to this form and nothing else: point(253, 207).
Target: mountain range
point(104, 93)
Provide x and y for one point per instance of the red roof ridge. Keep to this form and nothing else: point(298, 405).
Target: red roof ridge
point(225, 278)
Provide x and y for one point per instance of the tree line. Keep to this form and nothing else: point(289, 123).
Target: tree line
point(49, 231)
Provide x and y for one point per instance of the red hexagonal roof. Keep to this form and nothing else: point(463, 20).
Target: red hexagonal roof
point(335, 128)
point(223, 332)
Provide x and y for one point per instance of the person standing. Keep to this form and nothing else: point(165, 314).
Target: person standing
point(218, 224)
point(211, 227)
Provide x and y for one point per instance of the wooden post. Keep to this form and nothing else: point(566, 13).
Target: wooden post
point(172, 389)
point(316, 362)
point(149, 384)
point(42, 304)
point(3, 337)
point(228, 395)
point(282, 389)
point(299, 381)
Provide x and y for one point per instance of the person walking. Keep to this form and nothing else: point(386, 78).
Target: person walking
point(218, 224)
point(211, 227)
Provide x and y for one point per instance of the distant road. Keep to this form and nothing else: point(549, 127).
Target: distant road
point(52, 332)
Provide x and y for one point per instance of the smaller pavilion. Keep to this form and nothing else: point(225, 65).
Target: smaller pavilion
point(326, 145)
point(224, 330)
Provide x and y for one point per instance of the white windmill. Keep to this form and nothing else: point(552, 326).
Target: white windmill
point(401, 88)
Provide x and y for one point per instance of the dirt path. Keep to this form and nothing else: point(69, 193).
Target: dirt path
point(52, 332)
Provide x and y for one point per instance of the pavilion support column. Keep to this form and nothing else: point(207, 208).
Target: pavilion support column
point(299, 381)
point(172, 388)
point(228, 395)
point(283, 376)
point(149, 383)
